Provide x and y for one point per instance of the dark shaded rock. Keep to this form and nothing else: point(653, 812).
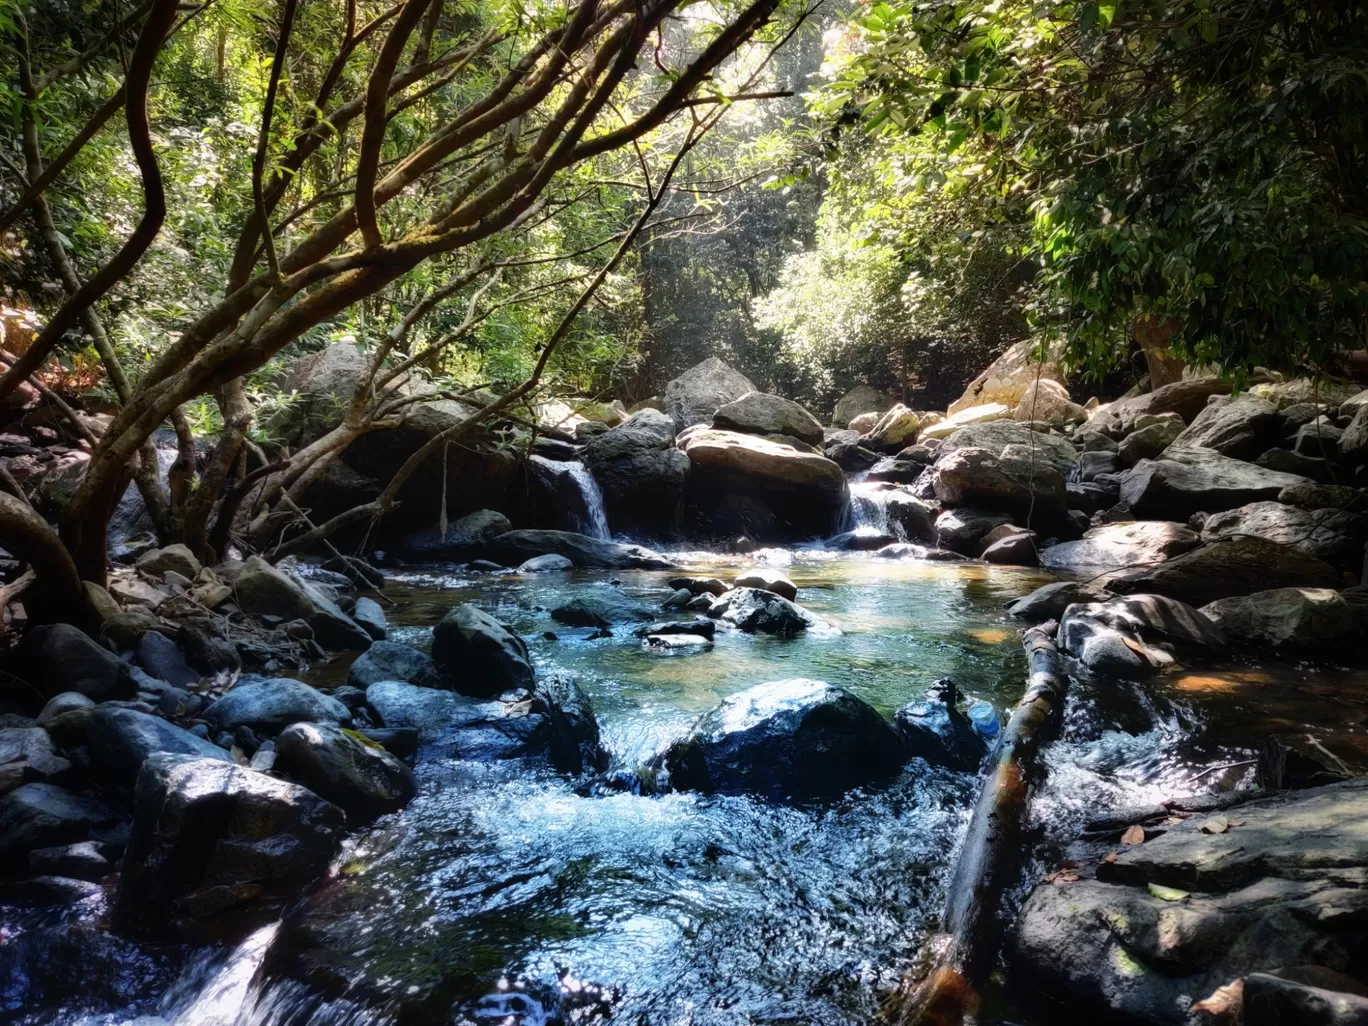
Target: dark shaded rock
point(33, 746)
point(65, 658)
point(1186, 398)
point(1327, 534)
point(79, 861)
point(764, 612)
point(1049, 601)
point(999, 436)
point(216, 843)
point(549, 563)
point(371, 617)
point(178, 557)
point(477, 655)
point(1017, 548)
point(1273, 1000)
point(851, 456)
point(1239, 427)
point(162, 659)
point(206, 652)
point(699, 585)
point(356, 775)
point(915, 518)
point(356, 570)
point(896, 471)
point(426, 710)
point(934, 729)
point(602, 607)
point(1309, 495)
point(1090, 464)
point(269, 706)
point(963, 530)
point(1311, 619)
point(264, 590)
point(1288, 462)
point(463, 537)
point(700, 628)
point(1186, 480)
point(41, 815)
point(1148, 442)
point(786, 739)
point(571, 730)
point(1319, 438)
point(516, 547)
point(767, 580)
point(400, 741)
point(860, 541)
point(389, 660)
point(121, 740)
point(1235, 566)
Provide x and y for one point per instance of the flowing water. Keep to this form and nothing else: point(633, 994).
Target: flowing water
point(508, 894)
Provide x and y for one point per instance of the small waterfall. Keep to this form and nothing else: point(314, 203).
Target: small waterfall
point(569, 496)
point(867, 511)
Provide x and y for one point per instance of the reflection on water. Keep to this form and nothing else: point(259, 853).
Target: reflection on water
point(506, 893)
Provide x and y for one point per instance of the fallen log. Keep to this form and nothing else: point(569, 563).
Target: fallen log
point(963, 952)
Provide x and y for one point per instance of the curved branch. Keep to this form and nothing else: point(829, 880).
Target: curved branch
point(57, 591)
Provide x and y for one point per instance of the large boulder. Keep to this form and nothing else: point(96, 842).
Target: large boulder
point(428, 711)
point(1011, 481)
point(698, 393)
point(264, 590)
point(1308, 619)
point(747, 484)
point(601, 607)
point(1167, 922)
point(986, 414)
point(121, 740)
point(64, 658)
point(1138, 543)
point(759, 413)
point(39, 815)
point(963, 530)
point(786, 739)
point(895, 429)
point(1188, 479)
point(1049, 601)
point(323, 384)
point(758, 611)
point(1240, 427)
point(479, 656)
point(860, 400)
point(1136, 635)
point(517, 547)
point(934, 729)
point(1233, 566)
point(997, 435)
point(465, 535)
point(1008, 377)
point(389, 660)
point(269, 706)
point(1048, 400)
point(216, 842)
point(1332, 535)
point(341, 767)
point(1186, 398)
point(640, 472)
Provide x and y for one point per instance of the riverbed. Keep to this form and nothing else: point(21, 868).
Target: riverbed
point(508, 893)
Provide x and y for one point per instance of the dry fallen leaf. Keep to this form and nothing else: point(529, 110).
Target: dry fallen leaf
point(1224, 1001)
point(1110, 857)
point(1215, 825)
point(1135, 834)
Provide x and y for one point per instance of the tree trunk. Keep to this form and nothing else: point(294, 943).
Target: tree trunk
point(1153, 335)
point(56, 594)
point(990, 858)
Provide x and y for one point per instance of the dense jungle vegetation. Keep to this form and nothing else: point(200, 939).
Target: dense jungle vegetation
point(507, 201)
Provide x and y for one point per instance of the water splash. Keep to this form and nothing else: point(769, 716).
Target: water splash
point(577, 494)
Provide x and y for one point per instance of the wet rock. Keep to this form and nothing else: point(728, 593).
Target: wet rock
point(79, 861)
point(678, 599)
point(1187, 479)
point(860, 400)
point(463, 536)
point(549, 563)
point(677, 644)
point(767, 580)
point(269, 706)
point(477, 655)
point(693, 628)
point(398, 741)
point(963, 530)
point(162, 659)
point(33, 746)
point(389, 660)
point(371, 617)
point(570, 731)
point(698, 393)
point(1011, 481)
point(214, 842)
point(360, 573)
point(121, 740)
point(426, 710)
point(602, 607)
point(1280, 889)
point(764, 612)
point(699, 585)
point(177, 558)
point(1326, 534)
point(641, 474)
point(1049, 601)
point(65, 658)
point(934, 729)
point(860, 541)
point(786, 739)
point(746, 482)
point(1234, 566)
point(1121, 545)
point(1015, 547)
point(264, 590)
point(895, 471)
point(1313, 619)
point(915, 518)
point(356, 775)
point(851, 456)
point(515, 547)
point(759, 413)
point(39, 815)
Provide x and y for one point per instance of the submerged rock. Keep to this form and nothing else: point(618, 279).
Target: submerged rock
point(479, 656)
point(218, 848)
point(786, 739)
point(602, 607)
point(340, 766)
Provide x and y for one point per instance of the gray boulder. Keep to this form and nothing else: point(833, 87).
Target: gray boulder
point(389, 660)
point(1286, 461)
point(764, 612)
point(516, 547)
point(33, 746)
point(549, 563)
point(477, 655)
point(359, 777)
point(759, 413)
point(121, 740)
point(40, 815)
point(1049, 601)
point(1240, 427)
point(895, 429)
point(216, 841)
point(1148, 442)
point(371, 617)
point(963, 530)
point(1308, 619)
point(786, 739)
point(1330, 535)
point(264, 590)
point(64, 658)
point(1354, 440)
point(639, 471)
point(156, 562)
point(995, 436)
point(1185, 398)
point(269, 706)
point(1234, 566)
point(1140, 543)
point(426, 710)
point(1320, 437)
point(698, 393)
point(602, 607)
point(1190, 910)
point(860, 399)
point(1010, 481)
point(1309, 495)
point(1188, 479)
point(161, 658)
point(464, 536)
point(913, 518)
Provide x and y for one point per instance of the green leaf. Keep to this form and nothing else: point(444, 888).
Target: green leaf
point(1168, 893)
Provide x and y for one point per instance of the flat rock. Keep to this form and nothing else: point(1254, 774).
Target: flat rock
point(1138, 543)
point(1327, 534)
point(1234, 566)
point(268, 706)
point(516, 547)
point(427, 710)
point(996, 436)
point(1309, 495)
point(1189, 479)
point(1309, 619)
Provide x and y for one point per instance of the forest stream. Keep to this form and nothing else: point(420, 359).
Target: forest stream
point(508, 893)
